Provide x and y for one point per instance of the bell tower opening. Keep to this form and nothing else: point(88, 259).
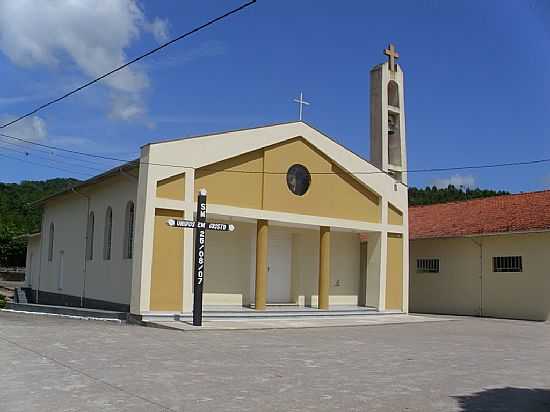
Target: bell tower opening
point(387, 114)
point(394, 139)
point(393, 94)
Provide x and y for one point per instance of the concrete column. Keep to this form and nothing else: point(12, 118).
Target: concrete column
point(324, 267)
point(261, 264)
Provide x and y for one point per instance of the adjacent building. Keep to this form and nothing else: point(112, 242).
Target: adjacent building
point(482, 257)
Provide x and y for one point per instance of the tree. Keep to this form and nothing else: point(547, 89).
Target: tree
point(18, 217)
point(430, 195)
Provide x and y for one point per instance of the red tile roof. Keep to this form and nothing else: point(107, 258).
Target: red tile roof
point(508, 213)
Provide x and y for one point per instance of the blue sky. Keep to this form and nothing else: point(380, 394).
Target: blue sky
point(476, 78)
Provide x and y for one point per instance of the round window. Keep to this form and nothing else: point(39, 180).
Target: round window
point(298, 179)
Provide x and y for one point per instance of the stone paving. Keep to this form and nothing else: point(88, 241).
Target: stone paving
point(296, 322)
point(59, 364)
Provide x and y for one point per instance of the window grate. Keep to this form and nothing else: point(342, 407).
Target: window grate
point(427, 265)
point(507, 264)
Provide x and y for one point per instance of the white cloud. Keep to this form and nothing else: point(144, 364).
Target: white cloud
point(31, 128)
point(127, 107)
point(158, 28)
point(92, 34)
point(456, 181)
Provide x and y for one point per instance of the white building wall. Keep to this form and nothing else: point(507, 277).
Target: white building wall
point(228, 265)
point(98, 279)
point(344, 262)
point(467, 285)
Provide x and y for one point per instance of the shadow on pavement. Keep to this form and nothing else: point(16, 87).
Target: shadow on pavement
point(506, 400)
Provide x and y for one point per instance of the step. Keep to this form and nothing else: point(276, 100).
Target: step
point(217, 315)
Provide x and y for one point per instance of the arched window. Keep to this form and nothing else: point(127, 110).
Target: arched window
point(108, 234)
point(50, 242)
point(393, 93)
point(90, 237)
point(129, 230)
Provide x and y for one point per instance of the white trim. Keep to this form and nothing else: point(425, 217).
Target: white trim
point(304, 220)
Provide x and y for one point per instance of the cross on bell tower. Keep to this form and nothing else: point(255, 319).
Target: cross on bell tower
point(388, 142)
point(392, 56)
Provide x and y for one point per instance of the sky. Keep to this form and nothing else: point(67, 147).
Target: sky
point(476, 79)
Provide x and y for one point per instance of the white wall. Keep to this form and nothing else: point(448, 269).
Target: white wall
point(228, 265)
point(105, 280)
point(344, 263)
point(456, 289)
point(465, 286)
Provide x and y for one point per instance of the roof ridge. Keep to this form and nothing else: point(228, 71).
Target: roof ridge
point(177, 139)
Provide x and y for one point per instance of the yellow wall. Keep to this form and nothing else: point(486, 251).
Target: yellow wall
point(172, 188)
point(394, 272)
point(333, 192)
point(466, 286)
point(522, 295)
point(395, 216)
point(228, 187)
point(167, 266)
point(456, 289)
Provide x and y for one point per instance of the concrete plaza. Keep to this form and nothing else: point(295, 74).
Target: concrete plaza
point(469, 364)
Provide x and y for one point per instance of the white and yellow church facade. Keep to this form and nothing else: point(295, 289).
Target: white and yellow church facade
point(315, 224)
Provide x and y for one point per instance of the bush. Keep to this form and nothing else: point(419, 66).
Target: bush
point(2, 301)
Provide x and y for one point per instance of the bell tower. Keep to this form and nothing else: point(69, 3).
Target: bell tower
point(387, 117)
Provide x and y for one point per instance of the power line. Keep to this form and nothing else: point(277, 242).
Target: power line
point(49, 152)
point(150, 52)
point(28, 153)
point(427, 170)
point(62, 149)
point(43, 165)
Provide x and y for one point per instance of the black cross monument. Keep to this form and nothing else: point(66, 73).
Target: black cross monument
point(201, 226)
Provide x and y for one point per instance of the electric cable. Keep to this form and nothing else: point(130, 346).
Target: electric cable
point(123, 66)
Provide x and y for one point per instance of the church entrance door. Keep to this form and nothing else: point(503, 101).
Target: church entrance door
point(279, 267)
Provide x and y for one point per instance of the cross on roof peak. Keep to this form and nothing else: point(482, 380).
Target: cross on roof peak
point(392, 56)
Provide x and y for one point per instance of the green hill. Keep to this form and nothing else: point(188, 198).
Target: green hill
point(17, 218)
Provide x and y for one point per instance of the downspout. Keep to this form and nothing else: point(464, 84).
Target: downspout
point(480, 244)
point(40, 258)
point(83, 294)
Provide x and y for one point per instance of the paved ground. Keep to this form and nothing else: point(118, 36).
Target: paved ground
point(55, 364)
point(297, 323)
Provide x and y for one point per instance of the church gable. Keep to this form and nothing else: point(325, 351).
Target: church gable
point(234, 182)
point(258, 180)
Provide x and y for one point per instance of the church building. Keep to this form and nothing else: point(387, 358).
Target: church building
point(315, 224)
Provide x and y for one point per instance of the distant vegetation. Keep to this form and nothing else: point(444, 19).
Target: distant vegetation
point(17, 218)
point(431, 195)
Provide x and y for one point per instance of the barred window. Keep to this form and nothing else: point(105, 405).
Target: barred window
point(507, 264)
point(427, 265)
